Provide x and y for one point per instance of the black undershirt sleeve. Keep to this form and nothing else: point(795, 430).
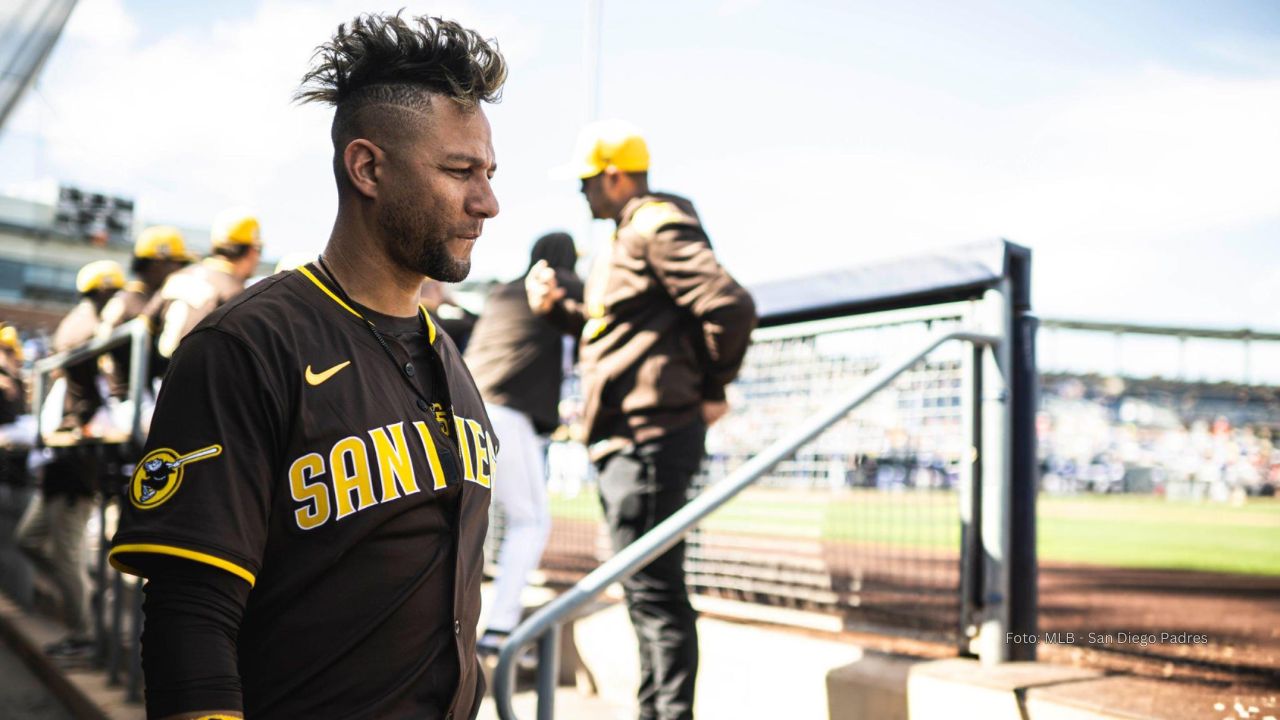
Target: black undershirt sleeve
point(193, 616)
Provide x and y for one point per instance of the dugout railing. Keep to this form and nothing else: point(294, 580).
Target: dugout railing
point(963, 329)
point(116, 600)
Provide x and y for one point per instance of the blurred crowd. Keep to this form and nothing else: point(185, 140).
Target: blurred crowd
point(1094, 436)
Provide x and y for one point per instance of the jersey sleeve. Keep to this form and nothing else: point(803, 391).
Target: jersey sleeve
point(202, 491)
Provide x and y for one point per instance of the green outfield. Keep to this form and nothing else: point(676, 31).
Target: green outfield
point(1114, 530)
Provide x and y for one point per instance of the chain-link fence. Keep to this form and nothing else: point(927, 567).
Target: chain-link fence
point(863, 521)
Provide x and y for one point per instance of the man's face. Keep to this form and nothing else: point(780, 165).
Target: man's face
point(594, 190)
point(438, 192)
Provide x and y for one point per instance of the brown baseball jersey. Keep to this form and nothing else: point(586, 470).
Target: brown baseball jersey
point(346, 482)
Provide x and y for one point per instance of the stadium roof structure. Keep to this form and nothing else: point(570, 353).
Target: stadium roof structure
point(945, 275)
point(28, 32)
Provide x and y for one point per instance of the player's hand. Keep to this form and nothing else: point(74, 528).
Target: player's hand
point(541, 287)
point(713, 410)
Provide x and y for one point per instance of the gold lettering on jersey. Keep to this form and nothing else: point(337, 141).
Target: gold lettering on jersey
point(464, 447)
point(480, 442)
point(442, 417)
point(433, 456)
point(314, 495)
point(351, 478)
point(330, 487)
point(395, 467)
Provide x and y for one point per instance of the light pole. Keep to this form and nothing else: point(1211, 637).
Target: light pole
point(591, 58)
point(592, 30)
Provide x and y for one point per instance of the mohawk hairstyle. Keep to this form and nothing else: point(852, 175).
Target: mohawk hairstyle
point(387, 61)
point(437, 54)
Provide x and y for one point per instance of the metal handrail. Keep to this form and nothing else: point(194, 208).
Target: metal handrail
point(137, 334)
point(543, 624)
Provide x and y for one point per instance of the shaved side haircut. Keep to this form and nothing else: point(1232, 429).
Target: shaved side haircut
point(381, 73)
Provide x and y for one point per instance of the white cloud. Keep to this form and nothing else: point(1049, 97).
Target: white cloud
point(730, 8)
point(100, 23)
point(1159, 153)
point(1099, 171)
point(1133, 190)
point(202, 119)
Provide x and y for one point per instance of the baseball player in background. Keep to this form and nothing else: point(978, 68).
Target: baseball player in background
point(158, 252)
point(313, 500)
point(52, 530)
point(193, 292)
point(663, 329)
point(518, 361)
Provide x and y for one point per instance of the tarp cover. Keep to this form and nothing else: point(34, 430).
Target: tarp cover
point(940, 276)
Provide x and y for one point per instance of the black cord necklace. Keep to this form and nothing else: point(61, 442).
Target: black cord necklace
point(368, 323)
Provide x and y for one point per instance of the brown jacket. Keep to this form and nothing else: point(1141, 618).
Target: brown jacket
point(186, 297)
point(124, 306)
point(664, 327)
point(516, 357)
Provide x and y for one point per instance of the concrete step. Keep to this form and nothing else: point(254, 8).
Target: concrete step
point(84, 691)
point(746, 671)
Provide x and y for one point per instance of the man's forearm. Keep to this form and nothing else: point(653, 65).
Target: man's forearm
point(189, 644)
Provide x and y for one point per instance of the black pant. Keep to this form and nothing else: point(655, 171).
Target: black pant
point(640, 488)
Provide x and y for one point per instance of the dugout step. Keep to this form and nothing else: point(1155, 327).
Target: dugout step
point(874, 687)
point(1040, 691)
point(84, 691)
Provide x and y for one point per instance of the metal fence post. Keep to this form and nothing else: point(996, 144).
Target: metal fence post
point(1025, 387)
point(548, 671)
point(102, 640)
point(139, 371)
point(970, 501)
point(995, 454)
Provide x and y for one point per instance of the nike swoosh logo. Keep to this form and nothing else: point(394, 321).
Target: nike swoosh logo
point(315, 378)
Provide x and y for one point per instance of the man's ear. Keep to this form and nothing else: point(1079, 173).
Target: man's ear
point(362, 161)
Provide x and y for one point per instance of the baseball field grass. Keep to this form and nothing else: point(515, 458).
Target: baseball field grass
point(1113, 530)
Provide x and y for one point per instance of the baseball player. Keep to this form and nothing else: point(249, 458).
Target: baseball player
point(13, 390)
point(664, 328)
point(193, 292)
point(313, 499)
point(158, 252)
point(52, 530)
point(518, 361)
point(16, 429)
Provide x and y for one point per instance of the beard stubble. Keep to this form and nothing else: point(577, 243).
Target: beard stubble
point(418, 240)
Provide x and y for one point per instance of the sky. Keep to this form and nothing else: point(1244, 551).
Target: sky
point(1135, 147)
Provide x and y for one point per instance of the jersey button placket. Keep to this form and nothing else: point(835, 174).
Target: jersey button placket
point(422, 405)
point(408, 369)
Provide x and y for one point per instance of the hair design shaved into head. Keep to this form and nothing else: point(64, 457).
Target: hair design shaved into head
point(378, 67)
